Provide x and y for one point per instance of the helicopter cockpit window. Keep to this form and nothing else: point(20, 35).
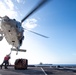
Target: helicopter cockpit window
point(18, 25)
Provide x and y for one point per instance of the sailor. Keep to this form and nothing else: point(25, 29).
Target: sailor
point(6, 61)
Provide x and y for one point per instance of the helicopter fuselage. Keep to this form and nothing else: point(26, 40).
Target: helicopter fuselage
point(12, 31)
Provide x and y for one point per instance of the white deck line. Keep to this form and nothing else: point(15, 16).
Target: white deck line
point(43, 71)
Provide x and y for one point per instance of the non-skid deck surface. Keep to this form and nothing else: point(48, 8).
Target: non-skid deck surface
point(37, 71)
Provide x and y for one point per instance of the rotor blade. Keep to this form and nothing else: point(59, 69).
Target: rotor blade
point(37, 7)
point(37, 33)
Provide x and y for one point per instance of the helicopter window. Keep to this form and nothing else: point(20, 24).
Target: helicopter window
point(16, 26)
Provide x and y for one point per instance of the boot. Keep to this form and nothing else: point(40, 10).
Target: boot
point(1, 66)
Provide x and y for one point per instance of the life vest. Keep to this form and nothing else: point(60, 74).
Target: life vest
point(7, 58)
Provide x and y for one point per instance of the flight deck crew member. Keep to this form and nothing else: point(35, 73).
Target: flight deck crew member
point(5, 61)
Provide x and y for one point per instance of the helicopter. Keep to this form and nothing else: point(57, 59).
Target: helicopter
point(13, 31)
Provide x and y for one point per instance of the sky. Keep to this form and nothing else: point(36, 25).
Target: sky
point(56, 19)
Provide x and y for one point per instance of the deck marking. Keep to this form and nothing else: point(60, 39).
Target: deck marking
point(43, 71)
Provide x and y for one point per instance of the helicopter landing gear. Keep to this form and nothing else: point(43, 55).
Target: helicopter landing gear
point(20, 50)
point(17, 53)
point(17, 50)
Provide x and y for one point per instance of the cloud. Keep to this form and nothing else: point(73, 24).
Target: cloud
point(31, 23)
point(7, 8)
point(21, 1)
point(10, 4)
point(18, 1)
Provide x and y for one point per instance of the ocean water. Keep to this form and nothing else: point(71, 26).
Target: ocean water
point(65, 64)
point(70, 65)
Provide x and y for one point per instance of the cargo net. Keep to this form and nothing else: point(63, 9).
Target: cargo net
point(21, 64)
